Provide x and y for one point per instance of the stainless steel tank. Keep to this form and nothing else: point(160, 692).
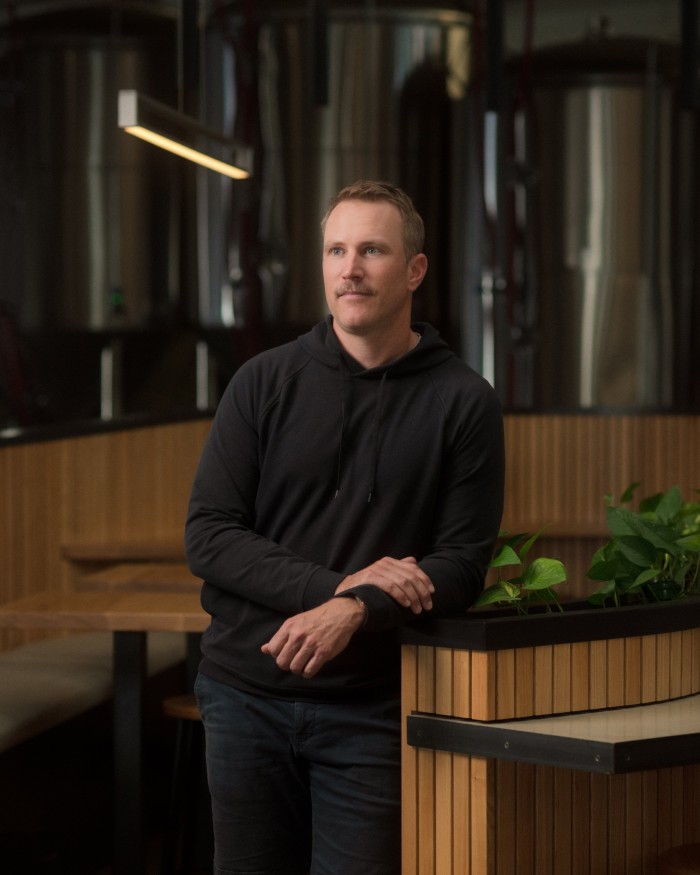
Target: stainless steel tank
point(601, 308)
point(98, 210)
point(370, 91)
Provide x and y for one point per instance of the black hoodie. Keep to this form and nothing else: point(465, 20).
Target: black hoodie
point(315, 468)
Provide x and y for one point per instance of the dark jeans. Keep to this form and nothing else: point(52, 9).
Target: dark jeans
point(299, 787)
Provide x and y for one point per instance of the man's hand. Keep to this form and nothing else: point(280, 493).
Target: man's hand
point(306, 641)
point(402, 579)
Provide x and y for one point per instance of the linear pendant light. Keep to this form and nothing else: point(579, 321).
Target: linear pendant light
point(182, 135)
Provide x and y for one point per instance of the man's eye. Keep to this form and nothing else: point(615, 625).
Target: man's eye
point(372, 250)
point(335, 250)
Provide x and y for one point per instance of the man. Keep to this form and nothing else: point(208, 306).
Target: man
point(352, 481)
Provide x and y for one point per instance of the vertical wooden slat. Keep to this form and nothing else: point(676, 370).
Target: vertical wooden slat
point(427, 802)
point(617, 843)
point(444, 681)
point(561, 656)
point(580, 676)
point(598, 676)
point(505, 817)
point(482, 817)
point(616, 675)
point(544, 684)
point(676, 665)
point(663, 666)
point(600, 824)
point(505, 684)
point(483, 686)
point(544, 815)
point(649, 669)
point(633, 671)
point(563, 820)
point(525, 823)
point(650, 838)
point(580, 824)
point(409, 764)
point(633, 823)
point(462, 782)
point(525, 682)
point(462, 668)
point(444, 813)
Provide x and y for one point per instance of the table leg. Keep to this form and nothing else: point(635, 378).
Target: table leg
point(129, 669)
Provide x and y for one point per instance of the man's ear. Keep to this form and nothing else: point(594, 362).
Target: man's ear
point(417, 268)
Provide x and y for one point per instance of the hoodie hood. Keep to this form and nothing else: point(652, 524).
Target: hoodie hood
point(322, 344)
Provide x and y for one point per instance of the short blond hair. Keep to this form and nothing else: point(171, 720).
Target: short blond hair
point(370, 190)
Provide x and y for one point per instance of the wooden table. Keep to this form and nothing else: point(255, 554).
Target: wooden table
point(141, 577)
point(129, 616)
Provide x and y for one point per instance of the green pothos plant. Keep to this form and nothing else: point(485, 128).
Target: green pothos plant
point(531, 582)
point(654, 552)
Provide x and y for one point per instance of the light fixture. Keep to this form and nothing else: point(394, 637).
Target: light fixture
point(182, 135)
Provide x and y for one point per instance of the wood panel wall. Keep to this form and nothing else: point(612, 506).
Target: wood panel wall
point(134, 484)
point(128, 485)
point(559, 468)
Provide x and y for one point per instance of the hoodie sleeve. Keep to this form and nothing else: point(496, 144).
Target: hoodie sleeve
point(221, 544)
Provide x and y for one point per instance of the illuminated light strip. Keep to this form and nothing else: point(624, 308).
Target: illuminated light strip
point(135, 110)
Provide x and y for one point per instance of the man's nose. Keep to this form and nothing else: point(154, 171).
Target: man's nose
point(352, 265)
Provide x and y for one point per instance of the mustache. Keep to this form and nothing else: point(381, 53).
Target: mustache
point(357, 288)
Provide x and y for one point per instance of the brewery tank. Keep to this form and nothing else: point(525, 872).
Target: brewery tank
point(601, 298)
point(92, 212)
point(368, 91)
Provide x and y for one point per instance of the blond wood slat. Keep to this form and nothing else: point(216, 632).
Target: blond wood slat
point(562, 678)
point(461, 766)
point(483, 685)
point(544, 680)
point(649, 669)
point(580, 679)
point(427, 801)
point(695, 662)
point(505, 684)
point(633, 671)
point(676, 665)
point(663, 666)
point(426, 679)
point(409, 763)
point(687, 661)
point(616, 673)
point(462, 668)
point(444, 681)
point(524, 682)
point(444, 813)
point(598, 676)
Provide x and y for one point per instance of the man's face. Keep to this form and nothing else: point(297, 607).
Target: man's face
point(369, 285)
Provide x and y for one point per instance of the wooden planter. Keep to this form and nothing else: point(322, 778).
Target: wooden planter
point(469, 815)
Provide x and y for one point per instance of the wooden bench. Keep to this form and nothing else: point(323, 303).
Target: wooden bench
point(45, 683)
